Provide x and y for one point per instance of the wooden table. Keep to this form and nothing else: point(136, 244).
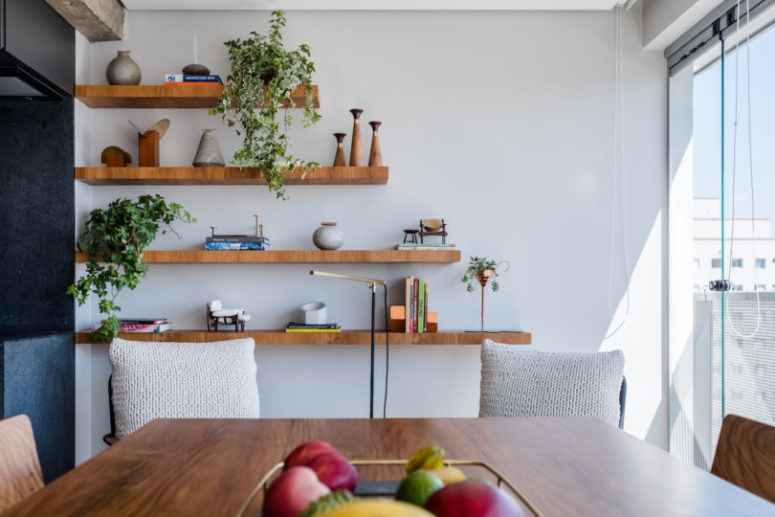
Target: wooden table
point(564, 466)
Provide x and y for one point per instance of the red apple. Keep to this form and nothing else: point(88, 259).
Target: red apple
point(472, 499)
point(334, 471)
point(292, 492)
point(306, 452)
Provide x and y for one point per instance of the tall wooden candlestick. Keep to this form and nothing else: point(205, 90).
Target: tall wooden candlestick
point(356, 149)
point(339, 159)
point(375, 155)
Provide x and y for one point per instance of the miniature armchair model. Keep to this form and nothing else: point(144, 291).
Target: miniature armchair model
point(217, 315)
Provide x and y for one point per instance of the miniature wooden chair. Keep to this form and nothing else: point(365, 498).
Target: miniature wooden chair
point(433, 227)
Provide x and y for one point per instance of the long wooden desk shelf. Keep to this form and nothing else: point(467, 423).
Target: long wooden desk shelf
point(346, 337)
point(445, 256)
point(227, 176)
point(165, 96)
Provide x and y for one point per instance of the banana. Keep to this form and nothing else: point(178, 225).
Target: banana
point(427, 458)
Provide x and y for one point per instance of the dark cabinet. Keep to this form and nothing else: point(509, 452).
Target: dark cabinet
point(37, 378)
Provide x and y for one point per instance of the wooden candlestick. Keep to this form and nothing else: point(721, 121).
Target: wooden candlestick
point(356, 149)
point(339, 159)
point(375, 155)
point(148, 144)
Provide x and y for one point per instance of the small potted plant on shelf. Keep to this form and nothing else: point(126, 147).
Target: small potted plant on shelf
point(484, 271)
point(263, 75)
point(115, 238)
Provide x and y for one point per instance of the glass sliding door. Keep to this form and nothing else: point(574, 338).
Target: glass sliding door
point(722, 203)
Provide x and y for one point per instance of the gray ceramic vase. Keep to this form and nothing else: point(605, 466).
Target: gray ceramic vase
point(208, 154)
point(328, 237)
point(123, 70)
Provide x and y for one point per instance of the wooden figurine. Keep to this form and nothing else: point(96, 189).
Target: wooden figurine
point(356, 148)
point(375, 155)
point(148, 143)
point(148, 147)
point(411, 236)
point(217, 315)
point(433, 227)
point(114, 156)
point(339, 159)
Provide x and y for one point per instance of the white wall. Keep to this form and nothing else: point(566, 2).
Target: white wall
point(499, 122)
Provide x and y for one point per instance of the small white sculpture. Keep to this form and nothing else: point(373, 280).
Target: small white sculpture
point(217, 314)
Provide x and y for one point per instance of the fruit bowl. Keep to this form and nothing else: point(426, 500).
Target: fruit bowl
point(393, 469)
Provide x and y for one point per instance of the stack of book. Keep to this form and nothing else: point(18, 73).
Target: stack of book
point(157, 325)
point(426, 246)
point(302, 327)
point(416, 291)
point(237, 243)
point(189, 80)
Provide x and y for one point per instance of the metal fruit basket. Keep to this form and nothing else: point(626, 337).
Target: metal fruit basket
point(387, 488)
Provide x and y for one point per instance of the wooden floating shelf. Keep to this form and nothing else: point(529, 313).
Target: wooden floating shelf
point(347, 337)
point(169, 97)
point(227, 176)
point(445, 256)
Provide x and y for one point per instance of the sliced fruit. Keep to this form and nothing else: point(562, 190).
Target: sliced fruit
point(328, 503)
point(427, 458)
point(417, 487)
point(377, 508)
point(447, 474)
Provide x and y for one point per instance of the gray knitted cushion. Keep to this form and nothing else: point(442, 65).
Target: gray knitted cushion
point(182, 380)
point(520, 382)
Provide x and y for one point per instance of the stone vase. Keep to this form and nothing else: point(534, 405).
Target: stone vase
point(328, 237)
point(123, 70)
point(209, 153)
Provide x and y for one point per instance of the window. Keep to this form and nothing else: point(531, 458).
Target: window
point(716, 262)
point(737, 262)
point(737, 287)
point(696, 263)
point(760, 287)
point(761, 263)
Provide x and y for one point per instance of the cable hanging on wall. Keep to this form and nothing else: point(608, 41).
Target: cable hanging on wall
point(618, 187)
point(750, 169)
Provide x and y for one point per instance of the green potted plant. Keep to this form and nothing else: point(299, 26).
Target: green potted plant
point(484, 271)
point(263, 74)
point(115, 238)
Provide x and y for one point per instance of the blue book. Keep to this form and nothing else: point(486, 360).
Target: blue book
point(185, 78)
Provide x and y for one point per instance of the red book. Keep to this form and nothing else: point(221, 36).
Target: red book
point(415, 304)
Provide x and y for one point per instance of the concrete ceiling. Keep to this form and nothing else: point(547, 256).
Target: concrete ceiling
point(419, 5)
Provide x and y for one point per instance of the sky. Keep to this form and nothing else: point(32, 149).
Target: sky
point(707, 128)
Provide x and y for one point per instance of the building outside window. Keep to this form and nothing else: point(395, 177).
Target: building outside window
point(716, 262)
point(737, 262)
point(760, 263)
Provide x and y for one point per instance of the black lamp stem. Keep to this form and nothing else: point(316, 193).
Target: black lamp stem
point(371, 381)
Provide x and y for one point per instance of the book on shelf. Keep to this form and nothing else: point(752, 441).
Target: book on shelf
point(186, 79)
point(236, 243)
point(416, 305)
point(145, 327)
point(294, 325)
point(148, 321)
point(301, 331)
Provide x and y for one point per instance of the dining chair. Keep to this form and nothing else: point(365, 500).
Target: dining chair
point(519, 382)
point(745, 455)
point(180, 380)
point(20, 473)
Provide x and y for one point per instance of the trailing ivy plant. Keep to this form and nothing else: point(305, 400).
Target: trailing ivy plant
point(263, 75)
point(115, 238)
point(477, 266)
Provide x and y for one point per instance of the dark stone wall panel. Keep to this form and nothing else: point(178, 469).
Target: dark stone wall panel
point(37, 212)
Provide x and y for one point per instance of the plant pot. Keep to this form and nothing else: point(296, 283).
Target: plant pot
point(485, 276)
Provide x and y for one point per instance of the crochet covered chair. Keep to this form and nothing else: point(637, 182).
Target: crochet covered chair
point(519, 382)
point(180, 380)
